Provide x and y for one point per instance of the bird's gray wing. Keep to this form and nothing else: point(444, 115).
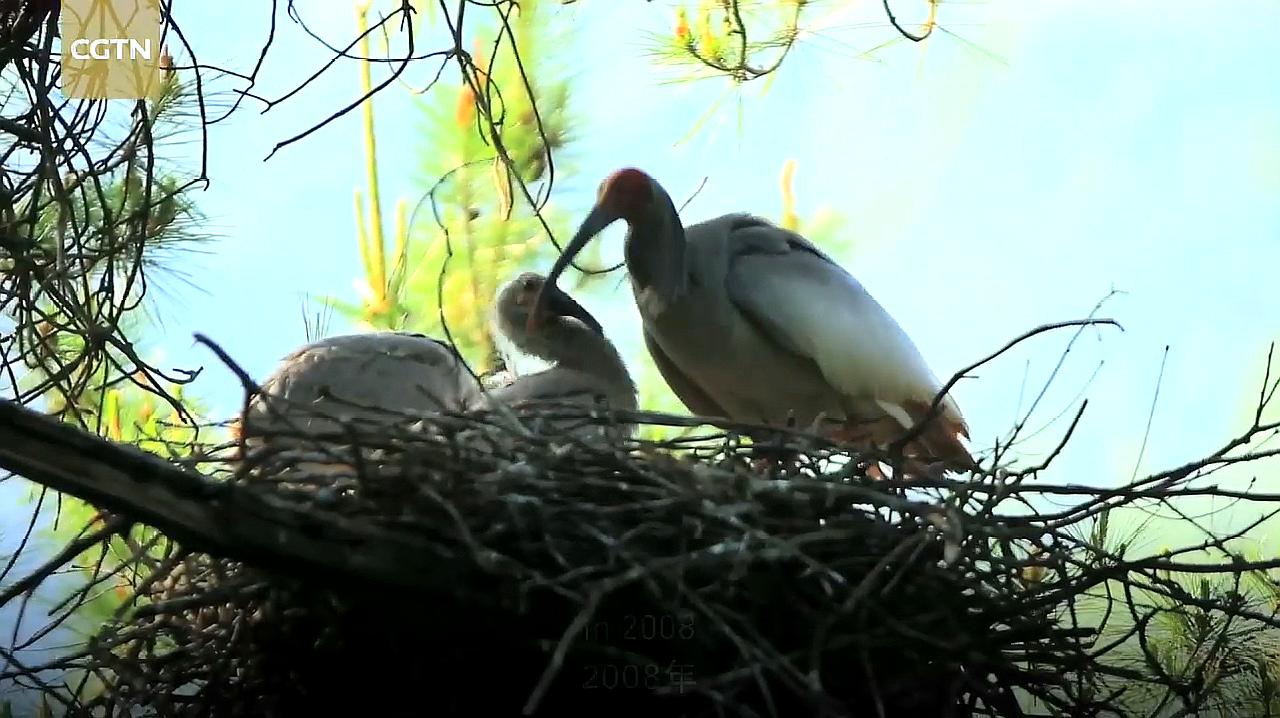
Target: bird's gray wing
point(378, 371)
point(689, 393)
point(559, 385)
point(804, 302)
point(552, 385)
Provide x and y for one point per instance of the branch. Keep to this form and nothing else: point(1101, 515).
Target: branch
point(935, 408)
point(242, 522)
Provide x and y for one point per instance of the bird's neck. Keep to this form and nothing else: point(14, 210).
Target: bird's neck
point(573, 346)
point(597, 356)
point(655, 254)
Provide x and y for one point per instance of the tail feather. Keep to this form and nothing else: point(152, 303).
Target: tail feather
point(941, 437)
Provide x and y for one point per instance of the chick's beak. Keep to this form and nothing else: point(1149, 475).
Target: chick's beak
point(560, 304)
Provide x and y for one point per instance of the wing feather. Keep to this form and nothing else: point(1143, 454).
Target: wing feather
point(810, 305)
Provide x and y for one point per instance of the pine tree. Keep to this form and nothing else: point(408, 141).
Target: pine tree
point(84, 251)
point(476, 226)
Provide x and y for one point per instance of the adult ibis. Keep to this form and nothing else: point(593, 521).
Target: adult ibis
point(751, 322)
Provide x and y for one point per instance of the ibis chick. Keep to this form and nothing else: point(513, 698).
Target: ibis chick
point(371, 377)
point(586, 367)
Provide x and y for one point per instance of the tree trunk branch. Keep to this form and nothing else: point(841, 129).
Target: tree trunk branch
point(242, 522)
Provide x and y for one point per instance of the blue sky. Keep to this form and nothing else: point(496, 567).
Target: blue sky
point(1089, 145)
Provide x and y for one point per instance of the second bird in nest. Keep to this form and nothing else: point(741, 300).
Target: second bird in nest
point(586, 367)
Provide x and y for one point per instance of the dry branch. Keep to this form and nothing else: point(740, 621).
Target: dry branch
point(228, 519)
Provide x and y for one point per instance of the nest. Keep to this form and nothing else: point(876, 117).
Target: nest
point(633, 579)
point(559, 575)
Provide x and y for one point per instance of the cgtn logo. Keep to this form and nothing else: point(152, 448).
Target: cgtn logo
point(111, 49)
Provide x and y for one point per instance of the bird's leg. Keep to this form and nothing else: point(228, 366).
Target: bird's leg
point(768, 458)
point(917, 463)
point(859, 439)
point(877, 435)
point(851, 435)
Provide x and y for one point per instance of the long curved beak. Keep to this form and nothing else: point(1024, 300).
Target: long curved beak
point(597, 220)
point(563, 305)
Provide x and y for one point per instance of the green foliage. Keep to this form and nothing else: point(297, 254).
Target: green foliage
point(116, 228)
point(126, 413)
point(1231, 663)
point(736, 39)
point(1185, 636)
point(129, 222)
point(476, 227)
point(1234, 665)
